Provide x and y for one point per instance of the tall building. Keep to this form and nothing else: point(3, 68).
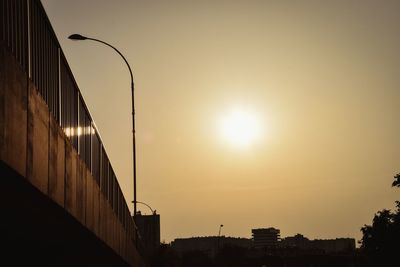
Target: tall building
point(265, 237)
point(149, 230)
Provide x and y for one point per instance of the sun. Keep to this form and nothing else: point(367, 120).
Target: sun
point(240, 128)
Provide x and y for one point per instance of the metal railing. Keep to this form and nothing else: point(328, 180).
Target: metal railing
point(26, 31)
point(14, 29)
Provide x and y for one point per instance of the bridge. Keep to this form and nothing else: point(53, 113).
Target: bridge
point(60, 201)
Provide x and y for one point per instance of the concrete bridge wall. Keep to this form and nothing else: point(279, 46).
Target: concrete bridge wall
point(34, 146)
point(36, 150)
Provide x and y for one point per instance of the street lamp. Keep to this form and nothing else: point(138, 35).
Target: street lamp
point(219, 232)
point(152, 211)
point(219, 235)
point(80, 38)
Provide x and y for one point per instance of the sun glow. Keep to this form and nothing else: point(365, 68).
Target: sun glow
point(240, 128)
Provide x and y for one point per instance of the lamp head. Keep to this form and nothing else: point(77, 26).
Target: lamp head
point(77, 37)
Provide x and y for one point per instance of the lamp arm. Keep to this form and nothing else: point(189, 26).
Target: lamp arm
point(116, 50)
point(145, 204)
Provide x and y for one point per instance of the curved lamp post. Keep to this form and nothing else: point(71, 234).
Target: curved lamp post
point(80, 38)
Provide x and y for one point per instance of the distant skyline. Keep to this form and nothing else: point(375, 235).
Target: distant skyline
point(249, 114)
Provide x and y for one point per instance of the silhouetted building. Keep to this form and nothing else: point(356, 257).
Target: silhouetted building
point(334, 245)
point(149, 230)
point(265, 237)
point(208, 244)
point(325, 245)
point(297, 241)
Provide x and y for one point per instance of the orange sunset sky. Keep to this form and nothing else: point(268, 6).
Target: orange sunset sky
point(248, 113)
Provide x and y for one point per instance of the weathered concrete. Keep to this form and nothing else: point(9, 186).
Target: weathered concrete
point(103, 217)
point(56, 163)
point(38, 140)
point(81, 191)
point(13, 112)
point(89, 200)
point(96, 209)
point(55, 184)
point(71, 158)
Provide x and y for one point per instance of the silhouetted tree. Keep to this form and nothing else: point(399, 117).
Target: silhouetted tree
point(381, 240)
point(396, 182)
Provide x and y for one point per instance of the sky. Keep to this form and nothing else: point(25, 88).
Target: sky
point(249, 114)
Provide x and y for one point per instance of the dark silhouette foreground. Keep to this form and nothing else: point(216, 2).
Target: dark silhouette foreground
point(381, 240)
point(231, 256)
